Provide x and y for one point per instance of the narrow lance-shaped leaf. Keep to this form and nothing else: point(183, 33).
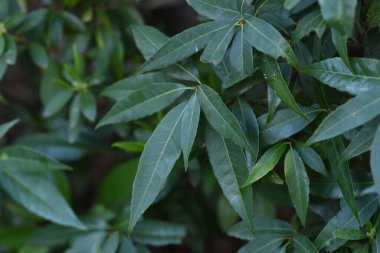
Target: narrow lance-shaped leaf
point(146, 101)
point(354, 113)
point(189, 127)
point(217, 47)
point(37, 194)
point(157, 160)
point(229, 166)
point(375, 159)
point(363, 77)
point(273, 76)
point(350, 234)
point(39, 55)
point(340, 14)
point(220, 117)
point(263, 244)
point(4, 128)
point(216, 9)
point(303, 245)
point(289, 4)
point(265, 164)
point(183, 45)
point(311, 22)
point(362, 141)
point(311, 158)
point(265, 38)
point(341, 172)
point(340, 43)
point(298, 183)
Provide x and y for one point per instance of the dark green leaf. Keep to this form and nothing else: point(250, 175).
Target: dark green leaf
point(373, 14)
point(4, 128)
point(262, 244)
point(216, 9)
point(303, 245)
point(229, 166)
point(311, 22)
point(88, 105)
point(111, 243)
point(39, 55)
point(311, 158)
point(298, 183)
point(157, 160)
point(349, 234)
point(57, 102)
point(289, 4)
point(375, 159)
point(148, 39)
point(340, 43)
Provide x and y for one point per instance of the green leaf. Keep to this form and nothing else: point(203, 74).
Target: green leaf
point(158, 233)
point(189, 127)
point(216, 9)
point(130, 146)
point(39, 55)
point(375, 159)
point(116, 189)
point(89, 242)
point(373, 14)
point(4, 128)
point(376, 243)
point(309, 23)
point(157, 160)
point(362, 249)
point(262, 226)
point(183, 45)
point(341, 172)
point(11, 52)
point(217, 47)
point(263, 244)
point(229, 166)
point(352, 114)
point(73, 21)
point(311, 158)
point(303, 245)
point(88, 105)
point(367, 206)
point(248, 122)
point(2, 44)
point(111, 244)
point(298, 183)
point(339, 14)
point(220, 117)
point(148, 39)
point(349, 234)
point(284, 124)
point(266, 39)
point(265, 164)
point(340, 43)
point(57, 102)
point(362, 141)
point(273, 76)
point(143, 102)
point(334, 72)
point(123, 88)
point(289, 4)
point(3, 67)
point(37, 194)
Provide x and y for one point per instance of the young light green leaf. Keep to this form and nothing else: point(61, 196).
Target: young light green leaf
point(248, 122)
point(363, 77)
point(143, 102)
point(157, 160)
point(57, 102)
point(189, 127)
point(273, 76)
point(309, 23)
point(311, 158)
point(220, 117)
point(229, 166)
point(339, 14)
point(265, 164)
point(123, 88)
point(4, 128)
point(216, 9)
point(341, 172)
point(217, 47)
point(340, 43)
point(37, 194)
point(183, 45)
point(88, 105)
point(352, 114)
point(375, 159)
point(302, 244)
point(263, 244)
point(349, 234)
point(298, 183)
point(39, 55)
point(284, 124)
point(266, 39)
point(362, 141)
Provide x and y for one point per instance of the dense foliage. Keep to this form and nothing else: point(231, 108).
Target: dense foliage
point(262, 123)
